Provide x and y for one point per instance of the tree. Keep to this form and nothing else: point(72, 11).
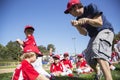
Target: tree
point(3, 52)
point(14, 50)
point(43, 50)
point(51, 46)
point(117, 37)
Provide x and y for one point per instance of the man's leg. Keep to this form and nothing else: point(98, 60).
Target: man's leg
point(98, 72)
point(96, 68)
point(105, 69)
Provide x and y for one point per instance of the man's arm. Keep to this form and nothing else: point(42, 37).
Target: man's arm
point(95, 22)
point(82, 30)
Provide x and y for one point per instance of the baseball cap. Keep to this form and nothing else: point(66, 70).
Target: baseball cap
point(80, 55)
point(66, 54)
point(28, 27)
point(32, 48)
point(56, 56)
point(70, 4)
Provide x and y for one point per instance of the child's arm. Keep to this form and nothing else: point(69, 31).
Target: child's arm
point(20, 42)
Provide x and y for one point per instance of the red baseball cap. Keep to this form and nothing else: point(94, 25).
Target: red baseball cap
point(32, 49)
point(56, 56)
point(28, 27)
point(70, 4)
point(80, 55)
point(66, 54)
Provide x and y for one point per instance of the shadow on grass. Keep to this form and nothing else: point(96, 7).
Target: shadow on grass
point(117, 69)
point(70, 78)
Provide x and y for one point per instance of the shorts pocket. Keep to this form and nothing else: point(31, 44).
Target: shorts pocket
point(105, 47)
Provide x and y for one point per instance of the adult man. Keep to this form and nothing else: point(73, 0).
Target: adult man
point(90, 20)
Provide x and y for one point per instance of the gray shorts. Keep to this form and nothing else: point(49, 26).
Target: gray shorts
point(99, 47)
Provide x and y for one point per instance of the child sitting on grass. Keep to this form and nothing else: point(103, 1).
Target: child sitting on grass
point(82, 66)
point(56, 68)
point(67, 64)
point(25, 70)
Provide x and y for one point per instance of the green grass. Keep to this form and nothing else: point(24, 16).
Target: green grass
point(115, 75)
point(5, 76)
point(7, 67)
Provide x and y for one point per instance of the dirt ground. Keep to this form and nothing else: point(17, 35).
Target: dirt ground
point(6, 70)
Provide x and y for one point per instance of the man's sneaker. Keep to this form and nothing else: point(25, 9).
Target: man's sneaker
point(98, 76)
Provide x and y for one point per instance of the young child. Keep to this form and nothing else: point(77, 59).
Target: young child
point(25, 70)
point(56, 68)
point(81, 65)
point(67, 64)
point(30, 45)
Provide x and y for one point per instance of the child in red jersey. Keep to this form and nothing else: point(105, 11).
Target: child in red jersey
point(81, 65)
point(67, 64)
point(25, 70)
point(30, 45)
point(56, 68)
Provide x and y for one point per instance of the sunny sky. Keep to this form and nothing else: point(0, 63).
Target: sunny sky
point(51, 25)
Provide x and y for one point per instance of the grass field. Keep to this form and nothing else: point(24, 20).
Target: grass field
point(115, 75)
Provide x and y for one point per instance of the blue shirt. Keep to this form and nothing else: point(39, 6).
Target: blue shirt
point(91, 11)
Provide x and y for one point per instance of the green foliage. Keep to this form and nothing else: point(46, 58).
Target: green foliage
point(51, 46)
point(43, 49)
point(12, 50)
point(117, 37)
point(3, 52)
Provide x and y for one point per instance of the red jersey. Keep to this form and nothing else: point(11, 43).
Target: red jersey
point(67, 63)
point(113, 54)
point(25, 71)
point(81, 64)
point(56, 67)
point(30, 45)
